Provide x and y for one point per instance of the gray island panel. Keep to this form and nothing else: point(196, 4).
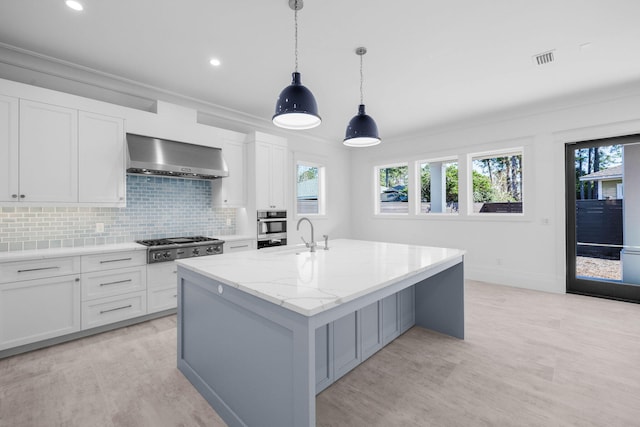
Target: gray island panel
point(259, 363)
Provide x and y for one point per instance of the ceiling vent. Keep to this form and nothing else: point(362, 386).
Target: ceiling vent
point(544, 58)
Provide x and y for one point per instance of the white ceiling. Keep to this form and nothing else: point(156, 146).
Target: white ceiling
point(428, 62)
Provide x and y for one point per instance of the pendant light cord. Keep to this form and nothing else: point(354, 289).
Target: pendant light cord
point(361, 79)
point(295, 19)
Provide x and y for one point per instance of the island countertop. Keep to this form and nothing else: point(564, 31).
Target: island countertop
point(311, 282)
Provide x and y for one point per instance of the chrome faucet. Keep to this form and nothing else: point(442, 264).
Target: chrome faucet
point(311, 245)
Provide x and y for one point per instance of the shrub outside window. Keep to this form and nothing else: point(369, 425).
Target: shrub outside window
point(392, 189)
point(438, 186)
point(497, 183)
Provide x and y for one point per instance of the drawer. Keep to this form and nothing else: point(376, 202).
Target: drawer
point(37, 269)
point(113, 309)
point(162, 299)
point(113, 282)
point(239, 245)
point(113, 260)
point(162, 275)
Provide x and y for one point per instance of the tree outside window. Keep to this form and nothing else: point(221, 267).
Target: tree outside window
point(393, 183)
point(438, 186)
point(497, 183)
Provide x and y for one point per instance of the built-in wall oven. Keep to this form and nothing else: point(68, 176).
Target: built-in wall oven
point(272, 228)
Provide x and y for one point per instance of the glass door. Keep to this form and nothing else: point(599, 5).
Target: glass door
point(603, 217)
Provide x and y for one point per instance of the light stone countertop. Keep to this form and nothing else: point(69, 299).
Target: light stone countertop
point(309, 283)
point(65, 252)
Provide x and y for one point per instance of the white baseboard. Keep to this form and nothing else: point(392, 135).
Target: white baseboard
point(517, 279)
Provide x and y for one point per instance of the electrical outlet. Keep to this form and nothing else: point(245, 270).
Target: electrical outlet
point(99, 227)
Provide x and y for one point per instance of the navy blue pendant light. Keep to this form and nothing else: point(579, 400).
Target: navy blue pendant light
point(296, 107)
point(362, 130)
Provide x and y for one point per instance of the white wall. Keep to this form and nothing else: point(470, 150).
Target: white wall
point(526, 251)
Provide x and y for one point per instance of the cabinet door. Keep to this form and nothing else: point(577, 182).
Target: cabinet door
point(239, 245)
point(263, 160)
point(346, 344)
point(48, 153)
point(278, 183)
point(371, 331)
point(9, 149)
point(390, 321)
point(34, 310)
point(407, 308)
point(324, 357)
point(113, 309)
point(231, 191)
point(108, 283)
point(101, 159)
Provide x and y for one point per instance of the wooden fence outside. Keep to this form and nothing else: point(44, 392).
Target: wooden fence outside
point(599, 228)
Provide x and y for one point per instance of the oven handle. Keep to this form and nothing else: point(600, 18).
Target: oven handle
point(272, 236)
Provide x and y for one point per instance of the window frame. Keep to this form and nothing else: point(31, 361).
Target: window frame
point(377, 192)
point(418, 186)
point(525, 176)
point(322, 185)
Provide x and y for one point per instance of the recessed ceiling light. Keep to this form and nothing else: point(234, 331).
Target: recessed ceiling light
point(75, 5)
point(215, 62)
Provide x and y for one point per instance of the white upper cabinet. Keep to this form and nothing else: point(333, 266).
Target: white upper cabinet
point(278, 184)
point(48, 153)
point(101, 159)
point(271, 162)
point(8, 148)
point(53, 154)
point(231, 191)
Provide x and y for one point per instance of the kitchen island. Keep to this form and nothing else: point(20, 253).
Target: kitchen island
point(260, 333)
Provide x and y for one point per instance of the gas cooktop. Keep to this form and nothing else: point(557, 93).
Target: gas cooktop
point(198, 240)
point(169, 249)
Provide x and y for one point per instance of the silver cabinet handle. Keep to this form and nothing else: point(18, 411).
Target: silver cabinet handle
point(114, 309)
point(238, 247)
point(115, 260)
point(22, 196)
point(15, 196)
point(37, 269)
point(115, 283)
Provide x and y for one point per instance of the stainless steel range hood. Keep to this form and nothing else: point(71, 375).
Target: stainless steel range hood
point(155, 156)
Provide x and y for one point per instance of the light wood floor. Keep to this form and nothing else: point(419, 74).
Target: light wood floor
point(529, 359)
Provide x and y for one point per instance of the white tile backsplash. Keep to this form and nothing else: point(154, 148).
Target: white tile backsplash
point(156, 207)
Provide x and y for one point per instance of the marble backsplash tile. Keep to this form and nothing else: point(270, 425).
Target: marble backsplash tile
point(156, 207)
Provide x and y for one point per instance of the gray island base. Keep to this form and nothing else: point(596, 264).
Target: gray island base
point(260, 335)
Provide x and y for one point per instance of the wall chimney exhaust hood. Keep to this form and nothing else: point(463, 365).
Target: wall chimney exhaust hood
point(154, 156)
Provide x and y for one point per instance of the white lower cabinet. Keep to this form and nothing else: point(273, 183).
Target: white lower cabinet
point(107, 310)
point(35, 310)
point(239, 245)
point(50, 297)
point(162, 286)
point(114, 287)
point(100, 284)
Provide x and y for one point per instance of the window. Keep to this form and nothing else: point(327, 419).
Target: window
point(392, 188)
point(438, 186)
point(310, 198)
point(497, 183)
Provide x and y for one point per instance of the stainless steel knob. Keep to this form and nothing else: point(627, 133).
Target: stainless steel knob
point(15, 196)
